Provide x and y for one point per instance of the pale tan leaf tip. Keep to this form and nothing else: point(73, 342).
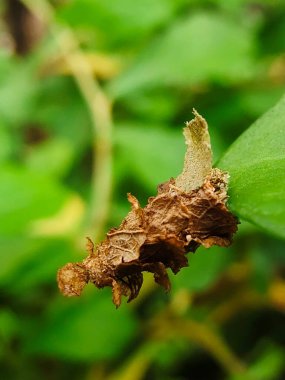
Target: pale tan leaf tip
point(186, 213)
point(198, 157)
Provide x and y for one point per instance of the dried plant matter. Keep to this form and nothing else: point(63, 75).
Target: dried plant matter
point(187, 212)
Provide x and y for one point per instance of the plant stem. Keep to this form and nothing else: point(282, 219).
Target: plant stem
point(212, 343)
point(100, 109)
point(169, 325)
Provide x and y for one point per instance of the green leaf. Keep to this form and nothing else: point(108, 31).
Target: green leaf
point(27, 263)
point(155, 106)
point(26, 196)
point(258, 101)
point(60, 110)
point(5, 143)
point(18, 89)
point(9, 324)
point(53, 157)
point(9, 327)
point(256, 163)
point(128, 19)
point(204, 46)
point(267, 366)
point(151, 153)
point(205, 267)
point(85, 329)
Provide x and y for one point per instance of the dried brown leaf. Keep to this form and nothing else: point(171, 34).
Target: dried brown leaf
point(186, 213)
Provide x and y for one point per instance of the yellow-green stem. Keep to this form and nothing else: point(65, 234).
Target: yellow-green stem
point(100, 110)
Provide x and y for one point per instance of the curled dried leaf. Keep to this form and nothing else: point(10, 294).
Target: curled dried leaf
point(186, 213)
point(72, 278)
point(198, 157)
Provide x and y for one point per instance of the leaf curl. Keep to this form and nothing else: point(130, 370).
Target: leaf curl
point(186, 212)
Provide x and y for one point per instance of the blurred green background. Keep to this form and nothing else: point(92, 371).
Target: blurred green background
point(93, 97)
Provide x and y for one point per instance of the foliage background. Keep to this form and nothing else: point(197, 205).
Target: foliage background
point(93, 96)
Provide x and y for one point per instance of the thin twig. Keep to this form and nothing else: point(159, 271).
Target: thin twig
point(100, 110)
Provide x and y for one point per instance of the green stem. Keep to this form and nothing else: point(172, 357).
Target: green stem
point(100, 110)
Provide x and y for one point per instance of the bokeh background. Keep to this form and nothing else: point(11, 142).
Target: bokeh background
point(93, 97)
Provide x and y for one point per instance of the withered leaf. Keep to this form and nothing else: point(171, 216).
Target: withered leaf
point(186, 213)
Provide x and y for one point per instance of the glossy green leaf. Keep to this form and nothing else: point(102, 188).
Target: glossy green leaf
point(256, 163)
